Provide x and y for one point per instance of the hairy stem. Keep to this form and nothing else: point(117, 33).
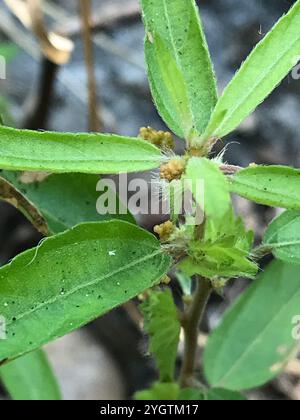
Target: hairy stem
point(230, 169)
point(190, 323)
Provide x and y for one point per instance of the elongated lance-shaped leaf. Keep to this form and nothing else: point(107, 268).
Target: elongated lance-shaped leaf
point(66, 152)
point(179, 67)
point(73, 278)
point(66, 200)
point(11, 195)
point(163, 326)
point(283, 237)
point(30, 378)
point(264, 69)
point(277, 186)
point(259, 333)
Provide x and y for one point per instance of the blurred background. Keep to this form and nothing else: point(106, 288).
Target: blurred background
point(107, 359)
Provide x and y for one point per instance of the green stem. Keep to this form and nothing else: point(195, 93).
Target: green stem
point(191, 323)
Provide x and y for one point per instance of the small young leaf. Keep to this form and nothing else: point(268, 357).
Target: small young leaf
point(11, 195)
point(255, 340)
point(179, 67)
point(65, 200)
point(163, 326)
point(277, 186)
point(65, 152)
point(72, 278)
point(204, 173)
point(30, 378)
point(218, 260)
point(264, 69)
point(283, 237)
point(224, 256)
point(159, 392)
point(170, 391)
point(225, 246)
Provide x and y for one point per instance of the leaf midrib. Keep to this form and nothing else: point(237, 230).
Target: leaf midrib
point(284, 227)
point(86, 159)
point(234, 181)
point(254, 342)
point(177, 58)
point(59, 297)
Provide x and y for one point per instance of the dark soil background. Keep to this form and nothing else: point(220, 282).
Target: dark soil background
point(109, 361)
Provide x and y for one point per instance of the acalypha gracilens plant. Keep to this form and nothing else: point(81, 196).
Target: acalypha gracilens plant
point(89, 264)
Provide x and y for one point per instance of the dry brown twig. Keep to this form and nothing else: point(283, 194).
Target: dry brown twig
point(55, 47)
point(94, 119)
point(108, 15)
point(14, 197)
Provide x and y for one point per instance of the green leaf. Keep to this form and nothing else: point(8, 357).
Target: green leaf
point(159, 392)
point(204, 175)
point(220, 259)
point(191, 394)
point(30, 378)
point(224, 248)
point(65, 152)
point(72, 278)
point(277, 186)
point(219, 394)
point(255, 340)
point(170, 391)
point(225, 256)
point(185, 283)
point(8, 50)
point(5, 116)
point(163, 326)
point(65, 200)
point(283, 237)
point(179, 66)
point(264, 69)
